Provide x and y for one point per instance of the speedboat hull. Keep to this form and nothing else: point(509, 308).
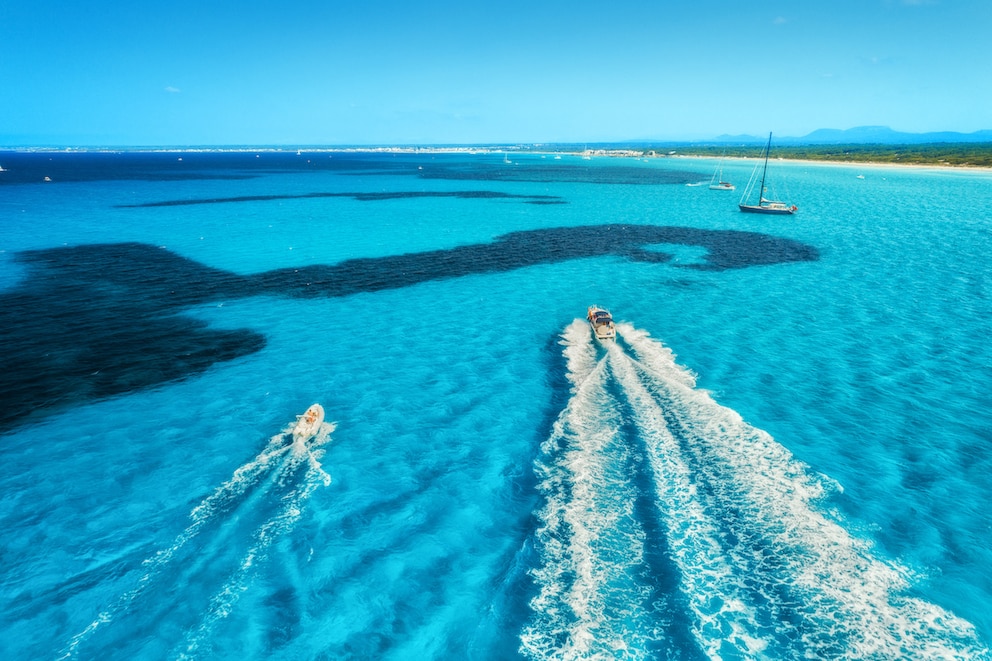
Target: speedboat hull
point(602, 323)
point(308, 424)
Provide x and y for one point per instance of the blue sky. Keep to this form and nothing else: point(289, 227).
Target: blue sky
point(219, 72)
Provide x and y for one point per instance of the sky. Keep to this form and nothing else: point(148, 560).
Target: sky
point(383, 72)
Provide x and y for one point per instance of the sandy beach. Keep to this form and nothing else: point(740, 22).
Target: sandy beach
point(856, 164)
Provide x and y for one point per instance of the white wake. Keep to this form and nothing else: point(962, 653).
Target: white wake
point(277, 465)
point(762, 571)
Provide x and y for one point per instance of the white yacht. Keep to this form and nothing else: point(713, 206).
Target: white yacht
point(602, 322)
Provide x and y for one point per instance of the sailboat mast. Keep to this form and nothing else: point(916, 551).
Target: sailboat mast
point(761, 191)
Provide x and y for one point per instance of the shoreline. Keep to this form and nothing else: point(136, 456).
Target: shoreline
point(487, 150)
point(852, 164)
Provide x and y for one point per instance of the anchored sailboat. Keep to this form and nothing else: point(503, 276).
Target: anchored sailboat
point(717, 183)
point(763, 205)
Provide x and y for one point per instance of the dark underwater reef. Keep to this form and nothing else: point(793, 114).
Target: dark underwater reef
point(361, 197)
point(94, 321)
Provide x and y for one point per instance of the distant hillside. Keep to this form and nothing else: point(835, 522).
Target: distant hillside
point(863, 135)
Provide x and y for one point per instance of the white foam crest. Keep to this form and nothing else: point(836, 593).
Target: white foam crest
point(216, 504)
point(723, 614)
point(223, 602)
point(580, 353)
point(655, 356)
point(242, 478)
point(589, 603)
point(852, 604)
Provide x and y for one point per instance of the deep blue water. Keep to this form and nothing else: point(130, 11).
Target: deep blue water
point(784, 455)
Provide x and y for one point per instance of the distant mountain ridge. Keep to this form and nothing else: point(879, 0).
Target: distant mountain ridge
point(864, 135)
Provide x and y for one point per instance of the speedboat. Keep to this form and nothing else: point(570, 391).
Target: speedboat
point(602, 323)
point(308, 424)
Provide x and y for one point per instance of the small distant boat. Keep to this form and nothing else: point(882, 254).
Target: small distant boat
point(308, 424)
point(763, 205)
point(2, 169)
point(602, 322)
point(717, 183)
point(860, 176)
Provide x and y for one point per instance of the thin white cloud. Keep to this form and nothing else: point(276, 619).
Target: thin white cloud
point(780, 20)
point(172, 90)
point(877, 61)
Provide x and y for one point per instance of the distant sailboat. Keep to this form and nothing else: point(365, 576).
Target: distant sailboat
point(717, 183)
point(763, 205)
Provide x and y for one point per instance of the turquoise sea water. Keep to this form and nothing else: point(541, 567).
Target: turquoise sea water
point(784, 455)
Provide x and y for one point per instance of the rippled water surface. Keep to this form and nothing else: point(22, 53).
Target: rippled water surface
point(785, 453)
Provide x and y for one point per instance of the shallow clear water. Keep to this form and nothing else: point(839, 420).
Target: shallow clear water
point(785, 454)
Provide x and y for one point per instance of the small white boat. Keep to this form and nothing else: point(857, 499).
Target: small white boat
point(602, 323)
point(717, 183)
point(308, 424)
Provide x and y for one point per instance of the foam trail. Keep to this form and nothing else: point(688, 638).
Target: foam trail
point(722, 615)
point(829, 595)
point(579, 352)
point(591, 603)
point(208, 511)
point(222, 603)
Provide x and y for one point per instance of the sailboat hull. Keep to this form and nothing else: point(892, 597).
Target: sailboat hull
point(781, 211)
point(764, 206)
